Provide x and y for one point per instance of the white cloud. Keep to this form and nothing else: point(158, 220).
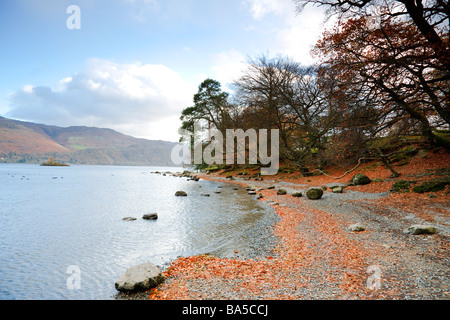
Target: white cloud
point(27, 88)
point(228, 66)
point(260, 8)
point(300, 34)
point(140, 10)
point(294, 34)
point(136, 97)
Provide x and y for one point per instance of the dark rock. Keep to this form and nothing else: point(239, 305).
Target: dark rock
point(181, 194)
point(314, 193)
point(281, 191)
point(297, 194)
point(150, 216)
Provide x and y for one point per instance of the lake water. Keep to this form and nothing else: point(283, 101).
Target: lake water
point(54, 218)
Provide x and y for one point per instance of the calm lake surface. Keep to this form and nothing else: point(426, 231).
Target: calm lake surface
point(53, 218)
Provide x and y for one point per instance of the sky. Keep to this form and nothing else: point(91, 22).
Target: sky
point(133, 65)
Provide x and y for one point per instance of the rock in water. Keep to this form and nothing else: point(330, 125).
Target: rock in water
point(139, 278)
point(129, 219)
point(420, 229)
point(181, 194)
point(360, 179)
point(150, 216)
point(314, 193)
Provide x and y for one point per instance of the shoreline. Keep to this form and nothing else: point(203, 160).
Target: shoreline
point(320, 258)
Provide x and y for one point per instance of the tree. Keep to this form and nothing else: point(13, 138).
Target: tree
point(393, 62)
point(211, 110)
point(284, 95)
point(430, 17)
point(412, 35)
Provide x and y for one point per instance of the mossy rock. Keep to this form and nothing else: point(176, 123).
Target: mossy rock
point(402, 186)
point(281, 191)
point(314, 193)
point(360, 179)
point(433, 185)
point(420, 229)
point(297, 194)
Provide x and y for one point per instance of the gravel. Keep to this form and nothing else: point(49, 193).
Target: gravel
point(409, 266)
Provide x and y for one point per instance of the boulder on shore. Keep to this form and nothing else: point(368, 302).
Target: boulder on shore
point(337, 189)
point(357, 227)
point(360, 179)
point(420, 229)
point(314, 193)
point(139, 278)
point(181, 194)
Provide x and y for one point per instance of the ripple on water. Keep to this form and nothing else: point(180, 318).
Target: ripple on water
point(56, 223)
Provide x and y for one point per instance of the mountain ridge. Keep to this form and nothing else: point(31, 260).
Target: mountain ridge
point(29, 142)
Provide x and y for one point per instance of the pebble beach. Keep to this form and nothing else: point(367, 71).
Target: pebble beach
point(309, 251)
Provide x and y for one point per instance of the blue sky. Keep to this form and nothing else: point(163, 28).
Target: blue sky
point(135, 64)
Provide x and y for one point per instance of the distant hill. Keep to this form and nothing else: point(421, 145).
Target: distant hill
point(29, 142)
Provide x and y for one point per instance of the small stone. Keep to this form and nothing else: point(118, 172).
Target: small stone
point(150, 216)
point(181, 194)
point(337, 189)
point(357, 227)
point(281, 191)
point(297, 194)
point(129, 219)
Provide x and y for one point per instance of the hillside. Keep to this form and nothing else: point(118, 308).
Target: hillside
point(28, 142)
